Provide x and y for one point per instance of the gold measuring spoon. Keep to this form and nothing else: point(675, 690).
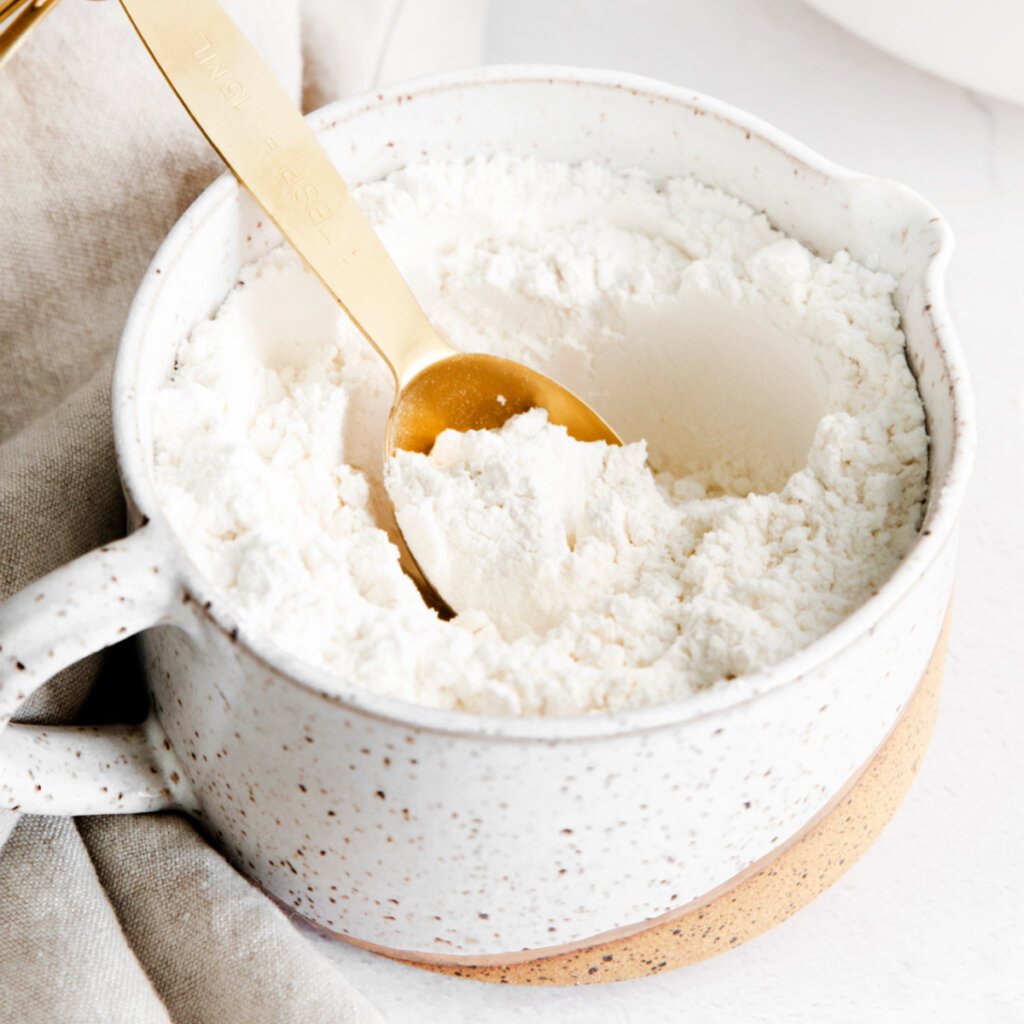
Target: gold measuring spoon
point(249, 119)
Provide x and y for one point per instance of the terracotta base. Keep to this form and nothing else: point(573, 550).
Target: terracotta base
point(767, 893)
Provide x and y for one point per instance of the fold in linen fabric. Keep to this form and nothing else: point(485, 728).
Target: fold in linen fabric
point(135, 919)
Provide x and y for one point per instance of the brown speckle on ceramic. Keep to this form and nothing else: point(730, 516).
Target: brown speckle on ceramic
point(772, 891)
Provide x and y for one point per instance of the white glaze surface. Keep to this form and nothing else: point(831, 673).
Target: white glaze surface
point(416, 840)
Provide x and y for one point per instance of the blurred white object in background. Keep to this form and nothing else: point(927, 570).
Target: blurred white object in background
point(978, 44)
point(357, 45)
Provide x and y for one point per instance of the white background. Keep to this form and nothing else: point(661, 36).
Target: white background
point(929, 926)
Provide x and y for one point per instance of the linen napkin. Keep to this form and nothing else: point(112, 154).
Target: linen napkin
point(136, 919)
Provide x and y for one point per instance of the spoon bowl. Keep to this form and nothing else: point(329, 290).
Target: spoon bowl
point(473, 391)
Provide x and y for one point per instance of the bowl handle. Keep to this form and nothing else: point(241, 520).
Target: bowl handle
point(82, 607)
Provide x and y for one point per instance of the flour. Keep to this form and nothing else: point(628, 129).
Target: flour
point(785, 438)
point(531, 527)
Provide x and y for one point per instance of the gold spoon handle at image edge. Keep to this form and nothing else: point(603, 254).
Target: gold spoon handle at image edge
point(253, 124)
point(17, 19)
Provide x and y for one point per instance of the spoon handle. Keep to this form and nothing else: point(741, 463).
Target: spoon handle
point(249, 119)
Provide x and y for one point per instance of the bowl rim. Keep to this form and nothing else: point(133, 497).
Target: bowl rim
point(941, 518)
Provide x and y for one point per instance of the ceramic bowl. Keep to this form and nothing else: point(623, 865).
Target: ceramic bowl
point(434, 834)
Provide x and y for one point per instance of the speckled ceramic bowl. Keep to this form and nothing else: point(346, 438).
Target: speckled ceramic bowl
point(434, 834)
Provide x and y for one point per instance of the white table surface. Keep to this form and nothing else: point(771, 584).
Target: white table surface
point(929, 926)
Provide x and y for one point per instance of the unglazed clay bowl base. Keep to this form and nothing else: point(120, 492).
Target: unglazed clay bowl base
point(765, 895)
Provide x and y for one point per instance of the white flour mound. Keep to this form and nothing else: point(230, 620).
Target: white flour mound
point(531, 527)
point(585, 580)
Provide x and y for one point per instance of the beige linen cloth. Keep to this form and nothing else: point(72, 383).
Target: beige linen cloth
point(135, 919)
